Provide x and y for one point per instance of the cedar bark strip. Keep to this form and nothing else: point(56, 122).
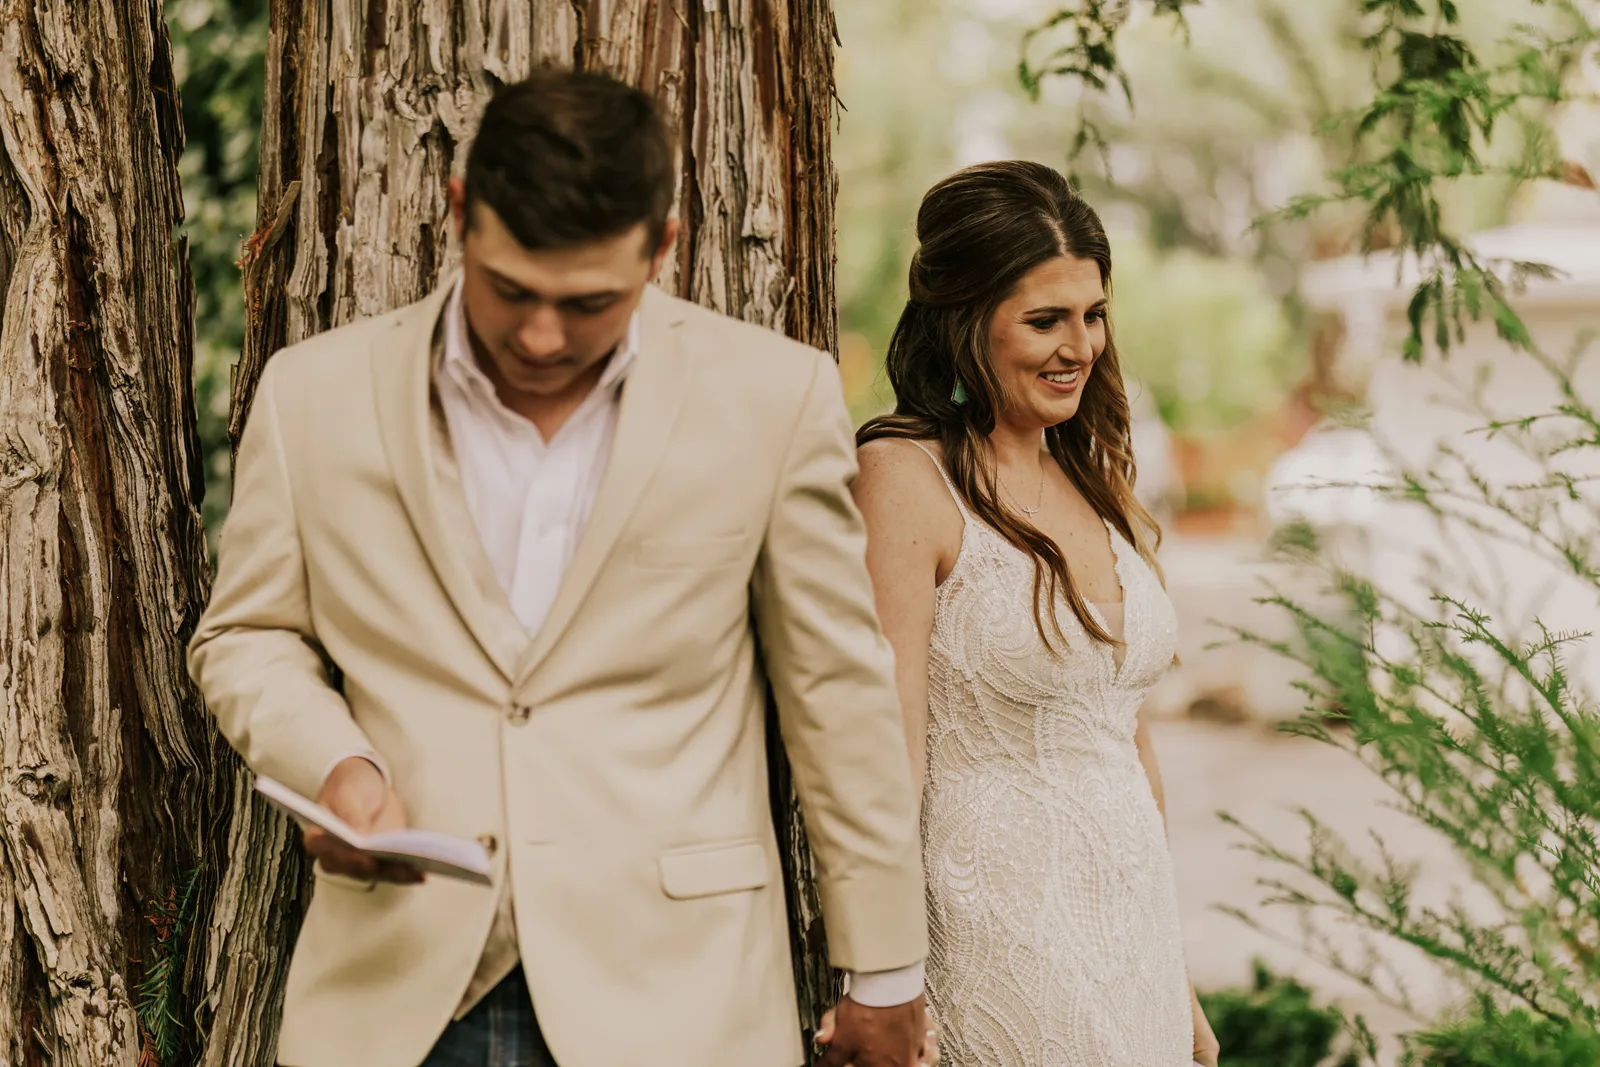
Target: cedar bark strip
point(107, 761)
point(369, 106)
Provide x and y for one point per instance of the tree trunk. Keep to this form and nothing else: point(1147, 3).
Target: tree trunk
point(369, 106)
point(107, 763)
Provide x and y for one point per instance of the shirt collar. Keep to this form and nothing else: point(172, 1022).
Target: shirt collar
point(457, 359)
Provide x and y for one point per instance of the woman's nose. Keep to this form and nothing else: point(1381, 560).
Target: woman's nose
point(1078, 347)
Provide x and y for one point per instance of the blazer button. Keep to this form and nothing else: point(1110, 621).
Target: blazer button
point(520, 713)
point(488, 842)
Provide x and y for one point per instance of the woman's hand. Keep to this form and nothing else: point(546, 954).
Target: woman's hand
point(1206, 1048)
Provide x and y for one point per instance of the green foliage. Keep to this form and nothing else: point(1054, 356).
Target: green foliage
point(1202, 333)
point(1481, 734)
point(1493, 1038)
point(894, 142)
point(219, 49)
point(1436, 112)
point(160, 991)
point(1275, 1024)
point(1438, 105)
point(1084, 47)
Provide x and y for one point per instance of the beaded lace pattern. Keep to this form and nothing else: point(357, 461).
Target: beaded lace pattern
point(1051, 902)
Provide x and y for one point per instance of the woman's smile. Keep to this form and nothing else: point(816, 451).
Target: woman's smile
point(1064, 382)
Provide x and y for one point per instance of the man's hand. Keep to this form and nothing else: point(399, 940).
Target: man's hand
point(858, 1036)
point(357, 793)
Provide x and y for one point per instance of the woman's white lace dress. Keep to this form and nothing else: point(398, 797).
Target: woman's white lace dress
point(1051, 901)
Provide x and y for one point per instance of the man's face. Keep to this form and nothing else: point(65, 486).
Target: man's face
point(543, 323)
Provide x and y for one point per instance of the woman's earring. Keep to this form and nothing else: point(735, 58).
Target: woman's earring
point(959, 393)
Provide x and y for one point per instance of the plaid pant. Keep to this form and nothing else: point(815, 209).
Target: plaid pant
point(499, 1031)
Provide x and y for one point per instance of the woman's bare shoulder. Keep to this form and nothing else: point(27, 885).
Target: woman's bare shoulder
point(901, 481)
point(900, 459)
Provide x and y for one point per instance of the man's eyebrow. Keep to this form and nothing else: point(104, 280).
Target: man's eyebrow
point(507, 282)
point(512, 283)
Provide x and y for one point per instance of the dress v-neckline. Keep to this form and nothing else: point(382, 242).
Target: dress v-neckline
point(1118, 571)
point(1099, 616)
point(1113, 539)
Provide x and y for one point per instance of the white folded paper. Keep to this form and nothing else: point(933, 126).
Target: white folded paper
point(427, 850)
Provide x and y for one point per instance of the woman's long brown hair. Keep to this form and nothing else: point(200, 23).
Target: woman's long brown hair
point(979, 232)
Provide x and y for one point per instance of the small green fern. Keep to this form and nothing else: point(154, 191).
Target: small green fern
point(159, 993)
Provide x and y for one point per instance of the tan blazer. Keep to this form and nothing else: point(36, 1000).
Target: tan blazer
point(616, 759)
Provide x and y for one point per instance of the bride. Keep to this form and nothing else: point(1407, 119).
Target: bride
point(1016, 580)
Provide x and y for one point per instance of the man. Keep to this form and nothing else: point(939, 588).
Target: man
point(542, 521)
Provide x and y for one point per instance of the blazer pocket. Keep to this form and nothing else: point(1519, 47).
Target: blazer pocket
point(674, 553)
point(709, 870)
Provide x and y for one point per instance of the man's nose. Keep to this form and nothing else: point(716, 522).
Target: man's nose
point(542, 333)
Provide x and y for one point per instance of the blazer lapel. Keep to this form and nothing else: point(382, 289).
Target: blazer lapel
point(402, 372)
point(651, 396)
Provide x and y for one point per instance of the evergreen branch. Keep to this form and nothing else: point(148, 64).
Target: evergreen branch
point(1085, 52)
point(1478, 952)
point(159, 993)
point(1320, 947)
point(1433, 119)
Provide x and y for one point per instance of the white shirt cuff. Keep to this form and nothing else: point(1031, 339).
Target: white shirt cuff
point(886, 989)
point(366, 754)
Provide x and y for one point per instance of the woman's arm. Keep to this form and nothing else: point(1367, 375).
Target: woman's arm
point(1206, 1048)
point(913, 533)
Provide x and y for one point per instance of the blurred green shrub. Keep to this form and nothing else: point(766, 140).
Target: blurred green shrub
point(1494, 1038)
point(1274, 1023)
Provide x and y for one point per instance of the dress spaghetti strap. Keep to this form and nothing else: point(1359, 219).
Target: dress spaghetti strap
point(955, 494)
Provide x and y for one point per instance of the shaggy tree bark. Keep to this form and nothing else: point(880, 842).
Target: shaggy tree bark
point(107, 762)
point(369, 108)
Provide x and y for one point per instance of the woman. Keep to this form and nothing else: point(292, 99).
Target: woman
point(1016, 580)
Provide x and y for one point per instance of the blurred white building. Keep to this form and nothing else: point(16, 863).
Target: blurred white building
point(1420, 411)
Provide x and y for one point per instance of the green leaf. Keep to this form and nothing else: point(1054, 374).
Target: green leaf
point(1030, 80)
point(1510, 327)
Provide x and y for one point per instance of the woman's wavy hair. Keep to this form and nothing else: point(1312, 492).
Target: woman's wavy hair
point(979, 232)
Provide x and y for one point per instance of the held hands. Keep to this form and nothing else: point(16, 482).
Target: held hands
point(859, 1036)
point(357, 793)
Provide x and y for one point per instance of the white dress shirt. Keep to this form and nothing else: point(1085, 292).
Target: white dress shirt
point(529, 499)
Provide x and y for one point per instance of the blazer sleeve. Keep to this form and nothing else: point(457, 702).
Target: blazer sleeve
point(832, 674)
point(252, 653)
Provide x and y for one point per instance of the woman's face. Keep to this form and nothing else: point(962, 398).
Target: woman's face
point(1043, 340)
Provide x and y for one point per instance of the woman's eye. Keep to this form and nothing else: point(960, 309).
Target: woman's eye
point(1043, 324)
point(1094, 317)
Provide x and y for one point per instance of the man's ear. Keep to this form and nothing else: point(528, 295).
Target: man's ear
point(669, 236)
point(456, 190)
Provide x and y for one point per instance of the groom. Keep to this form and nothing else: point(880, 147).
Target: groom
point(558, 530)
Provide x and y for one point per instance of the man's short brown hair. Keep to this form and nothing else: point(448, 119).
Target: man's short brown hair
point(567, 157)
